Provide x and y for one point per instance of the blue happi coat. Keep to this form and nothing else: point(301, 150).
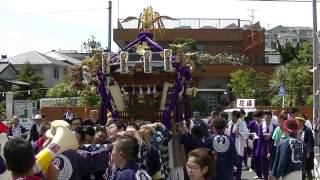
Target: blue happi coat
point(289, 157)
point(225, 152)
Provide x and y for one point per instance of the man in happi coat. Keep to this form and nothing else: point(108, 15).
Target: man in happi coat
point(305, 135)
point(239, 133)
point(265, 144)
point(253, 129)
point(289, 156)
point(223, 148)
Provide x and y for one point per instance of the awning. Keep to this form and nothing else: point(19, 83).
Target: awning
point(17, 82)
point(212, 90)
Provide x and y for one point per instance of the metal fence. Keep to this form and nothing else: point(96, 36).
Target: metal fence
point(193, 23)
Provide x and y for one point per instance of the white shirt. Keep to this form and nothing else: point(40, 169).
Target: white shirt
point(308, 124)
point(274, 120)
point(240, 141)
point(69, 115)
point(16, 131)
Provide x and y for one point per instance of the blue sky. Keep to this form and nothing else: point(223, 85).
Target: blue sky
point(44, 25)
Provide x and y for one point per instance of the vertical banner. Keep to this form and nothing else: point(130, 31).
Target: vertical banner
point(167, 55)
point(105, 61)
point(147, 60)
point(124, 62)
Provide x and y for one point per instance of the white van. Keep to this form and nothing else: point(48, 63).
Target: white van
point(228, 112)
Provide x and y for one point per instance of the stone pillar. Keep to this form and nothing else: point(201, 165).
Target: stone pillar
point(9, 105)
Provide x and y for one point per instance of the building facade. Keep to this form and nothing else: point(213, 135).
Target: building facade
point(214, 36)
point(51, 70)
point(294, 35)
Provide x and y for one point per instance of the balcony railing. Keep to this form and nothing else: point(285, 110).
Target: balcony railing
point(193, 23)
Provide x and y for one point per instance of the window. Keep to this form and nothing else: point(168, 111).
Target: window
point(56, 73)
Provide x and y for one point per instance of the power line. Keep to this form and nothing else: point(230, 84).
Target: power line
point(95, 9)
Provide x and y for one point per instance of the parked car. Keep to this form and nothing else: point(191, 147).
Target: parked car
point(227, 113)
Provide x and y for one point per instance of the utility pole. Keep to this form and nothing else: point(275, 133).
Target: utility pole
point(110, 27)
point(252, 31)
point(118, 10)
point(315, 67)
point(251, 15)
point(269, 36)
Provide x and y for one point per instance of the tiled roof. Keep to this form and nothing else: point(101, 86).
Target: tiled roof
point(61, 57)
point(34, 57)
point(3, 65)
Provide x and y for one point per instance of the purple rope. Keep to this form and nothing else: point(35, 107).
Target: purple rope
point(182, 73)
point(142, 36)
point(106, 100)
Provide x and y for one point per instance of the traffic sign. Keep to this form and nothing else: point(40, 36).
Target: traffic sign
point(282, 90)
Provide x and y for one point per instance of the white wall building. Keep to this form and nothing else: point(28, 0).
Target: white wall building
point(294, 35)
point(50, 69)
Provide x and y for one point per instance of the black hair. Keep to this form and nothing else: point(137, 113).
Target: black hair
point(249, 117)
point(258, 114)
point(236, 114)
point(100, 128)
point(129, 147)
point(268, 112)
point(19, 156)
point(80, 131)
point(88, 130)
point(219, 123)
point(242, 111)
point(304, 116)
point(197, 131)
point(119, 124)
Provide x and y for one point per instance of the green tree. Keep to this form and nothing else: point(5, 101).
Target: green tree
point(61, 90)
point(75, 74)
point(287, 52)
point(297, 80)
point(305, 53)
point(2, 111)
point(91, 44)
point(250, 84)
point(90, 97)
point(17, 94)
point(2, 90)
point(206, 58)
point(29, 75)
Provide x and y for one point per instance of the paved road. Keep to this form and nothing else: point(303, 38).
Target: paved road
point(246, 175)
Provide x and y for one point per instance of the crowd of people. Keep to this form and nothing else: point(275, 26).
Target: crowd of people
point(278, 147)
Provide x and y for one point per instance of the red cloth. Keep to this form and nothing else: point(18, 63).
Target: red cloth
point(40, 142)
point(3, 128)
